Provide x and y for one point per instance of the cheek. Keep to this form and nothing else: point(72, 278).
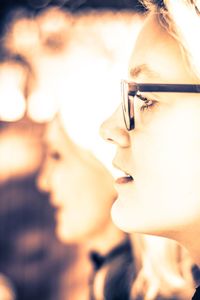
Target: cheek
point(58, 182)
point(171, 144)
point(167, 164)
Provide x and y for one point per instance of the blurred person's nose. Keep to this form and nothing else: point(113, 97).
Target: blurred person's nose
point(113, 130)
point(43, 179)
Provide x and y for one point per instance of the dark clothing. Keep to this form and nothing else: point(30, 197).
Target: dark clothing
point(120, 272)
point(196, 275)
point(196, 294)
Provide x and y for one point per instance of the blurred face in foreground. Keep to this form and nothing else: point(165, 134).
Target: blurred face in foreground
point(79, 186)
point(159, 192)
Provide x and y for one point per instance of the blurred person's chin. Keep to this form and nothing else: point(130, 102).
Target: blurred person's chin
point(70, 232)
point(70, 235)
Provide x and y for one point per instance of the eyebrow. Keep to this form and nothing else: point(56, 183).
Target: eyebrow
point(143, 69)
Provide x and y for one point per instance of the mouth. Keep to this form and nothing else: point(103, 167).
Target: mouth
point(123, 177)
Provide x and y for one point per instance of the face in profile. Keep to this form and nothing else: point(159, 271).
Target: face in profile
point(160, 192)
point(79, 186)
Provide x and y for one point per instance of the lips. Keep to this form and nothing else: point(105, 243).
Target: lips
point(124, 179)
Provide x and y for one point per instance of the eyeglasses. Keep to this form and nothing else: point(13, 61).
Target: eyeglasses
point(130, 89)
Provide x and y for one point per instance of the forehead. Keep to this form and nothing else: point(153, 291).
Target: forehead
point(157, 56)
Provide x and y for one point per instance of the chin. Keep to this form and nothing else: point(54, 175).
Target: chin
point(68, 235)
point(119, 217)
point(137, 220)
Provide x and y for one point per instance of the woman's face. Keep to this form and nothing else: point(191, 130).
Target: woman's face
point(78, 184)
point(162, 152)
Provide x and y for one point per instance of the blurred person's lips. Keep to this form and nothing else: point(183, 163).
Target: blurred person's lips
point(126, 178)
point(51, 200)
point(55, 206)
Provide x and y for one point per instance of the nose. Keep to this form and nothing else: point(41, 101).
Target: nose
point(43, 180)
point(113, 129)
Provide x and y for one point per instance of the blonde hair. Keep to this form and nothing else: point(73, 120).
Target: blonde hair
point(181, 18)
point(186, 18)
point(164, 267)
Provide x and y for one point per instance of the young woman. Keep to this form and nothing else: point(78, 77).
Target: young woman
point(82, 191)
point(157, 129)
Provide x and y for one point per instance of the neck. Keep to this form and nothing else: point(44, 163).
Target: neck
point(189, 237)
point(109, 237)
point(192, 244)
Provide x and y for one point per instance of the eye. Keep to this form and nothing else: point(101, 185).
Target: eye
point(147, 103)
point(55, 155)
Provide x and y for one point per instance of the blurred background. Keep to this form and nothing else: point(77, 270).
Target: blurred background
point(51, 54)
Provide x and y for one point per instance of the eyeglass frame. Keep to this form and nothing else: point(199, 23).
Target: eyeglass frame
point(132, 88)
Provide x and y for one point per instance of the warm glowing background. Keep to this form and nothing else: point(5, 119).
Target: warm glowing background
point(64, 60)
point(52, 61)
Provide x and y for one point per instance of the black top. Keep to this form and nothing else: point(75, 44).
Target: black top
point(196, 294)
point(120, 274)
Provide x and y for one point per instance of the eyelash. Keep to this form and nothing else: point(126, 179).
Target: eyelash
point(147, 102)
